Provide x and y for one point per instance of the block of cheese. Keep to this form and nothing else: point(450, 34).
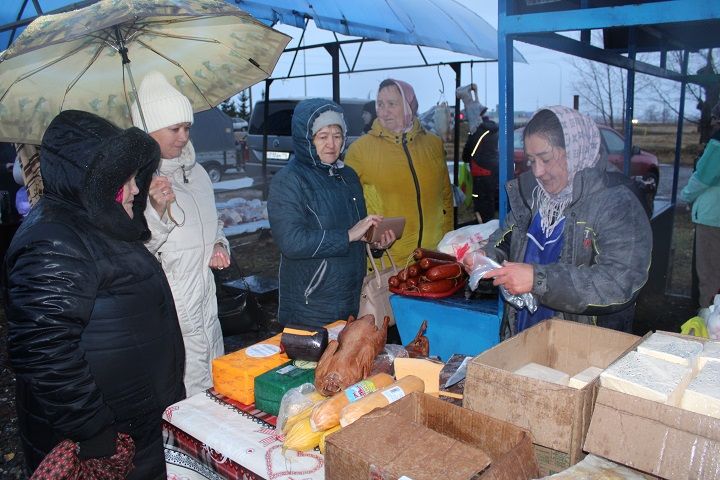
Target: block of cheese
point(234, 374)
point(541, 372)
point(710, 353)
point(647, 377)
point(671, 348)
point(703, 393)
point(425, 369)
point(585, 377)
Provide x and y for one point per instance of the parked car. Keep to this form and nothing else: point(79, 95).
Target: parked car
point(214, 142)
point(644, 167)
point(279, 142)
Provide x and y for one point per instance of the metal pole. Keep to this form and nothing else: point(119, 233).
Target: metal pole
point(678, 139)
point(630, 104)
point(266, 118)
point(333, 50)
point(505, 114)
point(457, 68)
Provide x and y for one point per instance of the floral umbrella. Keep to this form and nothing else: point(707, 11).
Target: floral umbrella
point(210, 50)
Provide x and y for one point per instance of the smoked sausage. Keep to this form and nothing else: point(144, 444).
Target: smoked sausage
point(421, 253)
point(440, 272)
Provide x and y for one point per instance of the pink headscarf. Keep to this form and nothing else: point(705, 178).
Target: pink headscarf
point(410, 103)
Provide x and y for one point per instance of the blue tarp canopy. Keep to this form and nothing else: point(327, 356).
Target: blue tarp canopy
point(443, 24)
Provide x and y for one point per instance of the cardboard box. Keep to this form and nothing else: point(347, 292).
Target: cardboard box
point(557, 416)
point(424, 438)
point(655, 438)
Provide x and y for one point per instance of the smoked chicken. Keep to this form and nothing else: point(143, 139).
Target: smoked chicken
point(349, 359)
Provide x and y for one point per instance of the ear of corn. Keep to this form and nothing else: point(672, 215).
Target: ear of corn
point(296, 418)
point(301, 437)
point(315, 396)
point(324, 435)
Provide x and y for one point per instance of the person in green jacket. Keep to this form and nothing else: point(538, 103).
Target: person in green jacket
point(703, 192)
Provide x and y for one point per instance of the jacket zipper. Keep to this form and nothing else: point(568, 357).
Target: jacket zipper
point(417, 187)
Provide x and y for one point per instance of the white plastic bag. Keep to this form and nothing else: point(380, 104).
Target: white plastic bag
point(467, 239)
point(713, 319)
point(477, 265)
point(293, 402)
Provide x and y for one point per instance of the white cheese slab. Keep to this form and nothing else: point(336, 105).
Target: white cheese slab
point(670, 348)
point(647, 377)
point(702, 395)
point(541, 372)
point(710, 353)
point(585, 377)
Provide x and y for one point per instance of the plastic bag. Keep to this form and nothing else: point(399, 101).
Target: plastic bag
point(442, 121)
point(473, 108)
point(467, 239)
point(477, 265)
point(295, 401)
point(713, 319)
point(696, 327)
point(384, 362)
point(465, 182)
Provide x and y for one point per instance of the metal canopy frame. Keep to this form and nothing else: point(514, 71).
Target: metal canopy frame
point(651, 18)
point(335, 51)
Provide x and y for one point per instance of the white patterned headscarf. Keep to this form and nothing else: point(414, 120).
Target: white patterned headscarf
point(582, 150)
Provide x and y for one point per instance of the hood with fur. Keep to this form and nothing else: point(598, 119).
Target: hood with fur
point(85, 159)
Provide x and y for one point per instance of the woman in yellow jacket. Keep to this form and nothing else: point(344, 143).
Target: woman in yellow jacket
point(403, 171)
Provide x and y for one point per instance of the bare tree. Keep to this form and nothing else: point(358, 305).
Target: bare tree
point(667, 93)
point(602, 87)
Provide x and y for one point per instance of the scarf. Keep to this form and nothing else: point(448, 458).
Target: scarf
point(410, 103)
point(582, 150)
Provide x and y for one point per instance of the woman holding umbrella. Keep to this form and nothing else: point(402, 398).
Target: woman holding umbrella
point(187, 237)
point(93, 337)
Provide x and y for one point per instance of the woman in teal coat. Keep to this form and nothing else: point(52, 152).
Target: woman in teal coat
point(703, 192)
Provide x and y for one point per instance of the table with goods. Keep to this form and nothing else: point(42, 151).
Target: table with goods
point(559, 400)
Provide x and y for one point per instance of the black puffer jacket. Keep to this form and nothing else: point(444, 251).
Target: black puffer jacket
point(93, 336)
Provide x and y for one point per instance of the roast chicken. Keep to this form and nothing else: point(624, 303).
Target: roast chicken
point(349, 359)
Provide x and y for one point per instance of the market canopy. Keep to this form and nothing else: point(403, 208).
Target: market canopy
point(443, 24)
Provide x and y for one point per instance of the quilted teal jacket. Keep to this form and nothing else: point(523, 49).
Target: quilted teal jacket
point(703, 188)
point(311, 207)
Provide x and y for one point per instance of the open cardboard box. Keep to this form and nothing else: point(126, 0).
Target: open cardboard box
point(655, 438)
point(557, 416)
point(424, 438)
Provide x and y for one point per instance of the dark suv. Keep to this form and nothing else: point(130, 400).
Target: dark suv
point(279, 143)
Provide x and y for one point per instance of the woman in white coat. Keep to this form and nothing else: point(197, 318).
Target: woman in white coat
point(187, 237)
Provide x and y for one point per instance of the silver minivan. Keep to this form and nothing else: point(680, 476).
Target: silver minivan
point(279, 140)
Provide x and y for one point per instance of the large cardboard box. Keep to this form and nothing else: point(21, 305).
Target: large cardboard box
point(557, 416)
point(658, 439)
point(424, 438)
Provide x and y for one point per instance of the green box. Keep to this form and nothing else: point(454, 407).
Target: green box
point(272, 385)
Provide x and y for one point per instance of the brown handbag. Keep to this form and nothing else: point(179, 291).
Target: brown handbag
point(375, 293)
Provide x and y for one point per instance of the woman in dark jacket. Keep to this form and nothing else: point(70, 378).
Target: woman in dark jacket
point(93, 336)
point(318, 219)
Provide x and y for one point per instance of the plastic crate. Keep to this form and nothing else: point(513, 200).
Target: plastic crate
point(455, 325)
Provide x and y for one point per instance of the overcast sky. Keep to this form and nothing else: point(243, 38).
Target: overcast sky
point(545, 80)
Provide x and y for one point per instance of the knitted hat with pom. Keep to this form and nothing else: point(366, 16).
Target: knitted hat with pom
point(162, 105)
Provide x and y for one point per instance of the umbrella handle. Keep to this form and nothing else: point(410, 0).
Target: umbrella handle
point(170, 215)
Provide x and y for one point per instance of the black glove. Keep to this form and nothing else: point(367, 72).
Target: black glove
point(101, 445)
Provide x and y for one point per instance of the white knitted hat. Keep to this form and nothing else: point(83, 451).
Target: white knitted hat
point(162, 104)
point(328, 117)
